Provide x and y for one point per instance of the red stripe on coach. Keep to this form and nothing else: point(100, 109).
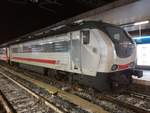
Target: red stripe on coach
point(5, 58)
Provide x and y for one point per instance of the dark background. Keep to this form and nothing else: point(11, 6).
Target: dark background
point(18, 17)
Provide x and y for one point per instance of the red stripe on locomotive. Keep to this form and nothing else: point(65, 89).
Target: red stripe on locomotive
point(36, 60)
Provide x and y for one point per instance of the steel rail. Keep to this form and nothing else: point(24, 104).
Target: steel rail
point(46, 102)
point(8, 108)
point(139, 95)
point(84, 104)
point(124, 104)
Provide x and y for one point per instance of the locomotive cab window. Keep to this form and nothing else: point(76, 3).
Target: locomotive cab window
point(86, 37)
point(121, 41)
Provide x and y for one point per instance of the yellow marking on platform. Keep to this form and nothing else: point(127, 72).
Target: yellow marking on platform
point(84, 104)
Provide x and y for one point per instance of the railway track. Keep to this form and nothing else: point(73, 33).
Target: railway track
point(22, 99)
point(5, 106)
point(68, 102)
point(139, 95)
point(132, 106)
point(131, 102)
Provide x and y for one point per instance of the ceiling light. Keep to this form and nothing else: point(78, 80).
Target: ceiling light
point(142, 22)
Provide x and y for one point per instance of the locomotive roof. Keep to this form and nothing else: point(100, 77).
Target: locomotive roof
point(52, 31)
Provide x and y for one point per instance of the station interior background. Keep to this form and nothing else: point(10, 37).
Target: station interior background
point(142, 38)
point(141, 35)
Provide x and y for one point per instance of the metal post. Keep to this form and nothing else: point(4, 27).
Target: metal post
point(140, 32)
point(71, 50)
point(80, 51)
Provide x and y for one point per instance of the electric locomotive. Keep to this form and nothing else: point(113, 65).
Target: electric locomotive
point(95, 53)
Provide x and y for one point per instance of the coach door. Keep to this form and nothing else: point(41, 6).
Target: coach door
point(75, 43)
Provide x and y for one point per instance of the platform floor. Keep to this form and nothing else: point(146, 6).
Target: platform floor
point(145, 80)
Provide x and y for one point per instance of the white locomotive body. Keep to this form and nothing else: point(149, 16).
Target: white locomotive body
point(88, 48)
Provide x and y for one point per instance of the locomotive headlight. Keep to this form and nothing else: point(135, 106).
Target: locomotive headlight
point(131, 64)
point(114, 67)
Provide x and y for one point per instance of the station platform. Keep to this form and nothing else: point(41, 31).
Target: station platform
point(145, 80)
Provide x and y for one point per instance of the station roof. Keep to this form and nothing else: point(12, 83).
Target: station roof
point(56, 31)
point(19, 17)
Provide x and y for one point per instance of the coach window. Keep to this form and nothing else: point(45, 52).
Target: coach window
point(86, 37)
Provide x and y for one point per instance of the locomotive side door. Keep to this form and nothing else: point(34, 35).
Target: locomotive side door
point(75, 51)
